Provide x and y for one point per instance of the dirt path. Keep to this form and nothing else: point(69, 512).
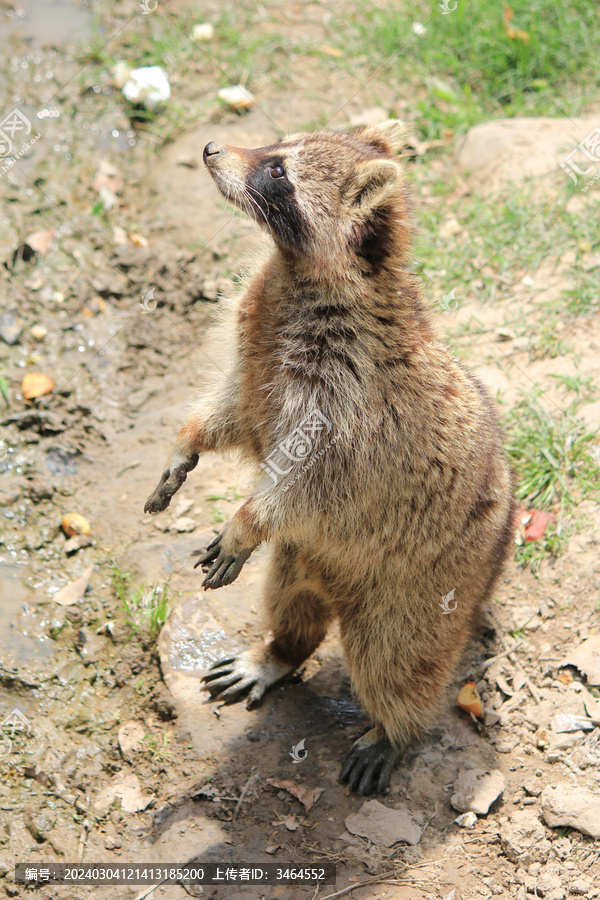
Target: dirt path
point(126, 297)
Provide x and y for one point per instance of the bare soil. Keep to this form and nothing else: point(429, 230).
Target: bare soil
point(125, 369)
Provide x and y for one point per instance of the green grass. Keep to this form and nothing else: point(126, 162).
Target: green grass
point(146, 607)
point(469, 68)
point(552, 454)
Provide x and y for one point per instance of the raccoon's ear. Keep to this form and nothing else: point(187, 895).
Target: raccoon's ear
point(389, 135)
point(371, 185)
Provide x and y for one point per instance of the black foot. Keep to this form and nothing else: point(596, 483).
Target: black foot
point(220, 567)
point(369, 765)
point(170, 482)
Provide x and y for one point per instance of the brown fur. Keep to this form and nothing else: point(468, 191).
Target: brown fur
point(410, 495)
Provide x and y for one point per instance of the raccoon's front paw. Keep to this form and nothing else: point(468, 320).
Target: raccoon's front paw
point(369, 765)
point(227, 558)
point(251, 672)
point(170, 482)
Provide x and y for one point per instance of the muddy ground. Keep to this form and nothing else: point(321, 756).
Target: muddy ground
point(116, 307)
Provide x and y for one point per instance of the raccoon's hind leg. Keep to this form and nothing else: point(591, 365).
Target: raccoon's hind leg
point(399, 674)
point(298, 615)
point(368, 766)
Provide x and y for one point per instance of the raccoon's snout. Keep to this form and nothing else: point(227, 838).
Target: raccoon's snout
point(211, 149)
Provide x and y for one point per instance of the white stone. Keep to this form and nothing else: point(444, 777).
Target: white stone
point(475, 790)
point(149, 86)
point(563, 804)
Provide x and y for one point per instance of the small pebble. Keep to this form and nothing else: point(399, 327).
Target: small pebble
point(11, 327)
point(202, 32)
point(38, 332)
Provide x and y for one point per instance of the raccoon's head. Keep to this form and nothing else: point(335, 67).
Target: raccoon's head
point(321, 195)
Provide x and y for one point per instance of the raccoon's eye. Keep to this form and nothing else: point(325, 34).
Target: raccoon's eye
point(277, 172)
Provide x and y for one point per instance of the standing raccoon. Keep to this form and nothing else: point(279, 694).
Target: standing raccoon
point(384, 485)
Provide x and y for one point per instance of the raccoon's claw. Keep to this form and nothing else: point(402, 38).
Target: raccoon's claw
point(369, 765)
point(225, 566)
point(170, 482)
point(235, 677)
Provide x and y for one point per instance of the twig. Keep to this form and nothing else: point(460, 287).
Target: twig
point(250, 781)
point(532, 688)
point(377, 879)
point(485, 665)
point(83, 839)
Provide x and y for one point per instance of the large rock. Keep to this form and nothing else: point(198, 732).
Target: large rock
point(563, 804)
point(507, 151)
point(382, 825)
point(476, 790)
point(523, 838)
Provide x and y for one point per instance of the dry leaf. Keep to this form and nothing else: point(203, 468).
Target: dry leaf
point(291, 823)
point(108, 176)
point(331, 51)
point(513, 33)
point(586, 658)
point(73, 592)
point(537, 525)
point(307, 796)
point(40, 241)
point(469, 699)
point(36, 384)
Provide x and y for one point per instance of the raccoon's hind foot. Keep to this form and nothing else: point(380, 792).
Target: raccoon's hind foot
point(170, 482)
point(252, 672)
point(369, 765)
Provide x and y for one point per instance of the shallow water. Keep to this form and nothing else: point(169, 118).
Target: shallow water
point(20, 637)
point(44, 22)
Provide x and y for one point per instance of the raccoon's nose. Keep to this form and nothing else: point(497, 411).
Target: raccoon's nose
point(211, 149)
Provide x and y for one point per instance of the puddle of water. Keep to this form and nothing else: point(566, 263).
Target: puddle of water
point(44, 22)
point(20, 637)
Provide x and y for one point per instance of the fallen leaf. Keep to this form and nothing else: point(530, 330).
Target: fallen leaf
point(236, 96)
point(586, 658)
point(307, 796)
point(36, 384)
point(130, 737)
point(108, 176)
point(469, 699)
point(513, 33)
point(73, 592)
point(537, 525)
point(128, 789)
point(331, 51)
